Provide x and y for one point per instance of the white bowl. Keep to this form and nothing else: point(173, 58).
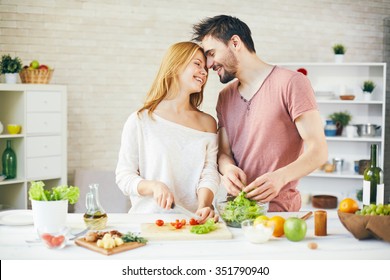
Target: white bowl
point(259, 233)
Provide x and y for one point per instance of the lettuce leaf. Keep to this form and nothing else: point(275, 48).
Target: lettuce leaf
point(37, 192)
point(208, 226)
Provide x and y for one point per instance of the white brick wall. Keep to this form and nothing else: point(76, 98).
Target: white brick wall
point(107, 52)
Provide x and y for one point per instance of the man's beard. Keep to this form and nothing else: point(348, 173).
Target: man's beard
point(231, 63)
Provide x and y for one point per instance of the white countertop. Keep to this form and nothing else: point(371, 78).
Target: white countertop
point(339, 244)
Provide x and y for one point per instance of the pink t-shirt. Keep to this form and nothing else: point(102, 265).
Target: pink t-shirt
point(261, 131)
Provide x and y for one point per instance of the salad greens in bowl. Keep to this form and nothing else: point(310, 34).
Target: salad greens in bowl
point(240, 209)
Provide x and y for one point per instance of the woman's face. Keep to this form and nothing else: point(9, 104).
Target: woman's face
point(194, 76)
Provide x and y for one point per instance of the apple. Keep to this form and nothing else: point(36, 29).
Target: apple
point(43, 66)
point(295, 229)
point(34, 64)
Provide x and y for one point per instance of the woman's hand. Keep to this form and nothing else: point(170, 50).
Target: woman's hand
point(206, 213)
point(162, 195)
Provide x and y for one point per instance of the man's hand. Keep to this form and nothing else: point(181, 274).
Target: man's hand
point(234, 180)
point(265, 188)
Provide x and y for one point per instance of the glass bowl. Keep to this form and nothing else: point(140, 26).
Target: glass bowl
point(235, 215)
point(258, 232)
point(53, 238)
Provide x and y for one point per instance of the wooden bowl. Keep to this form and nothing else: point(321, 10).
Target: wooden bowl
point(347, 97)
point(366, 227)
point(324, 201)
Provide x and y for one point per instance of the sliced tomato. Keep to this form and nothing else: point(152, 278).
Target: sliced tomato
point(160, 223)
point(193, 222)
point(183, 222)
point(178, 225)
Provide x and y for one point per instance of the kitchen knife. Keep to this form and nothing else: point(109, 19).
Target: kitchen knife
point(184, 211)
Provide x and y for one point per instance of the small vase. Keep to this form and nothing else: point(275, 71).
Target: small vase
point(367, 95)
point(11, 78)
point(338, 58)
point(330, 128)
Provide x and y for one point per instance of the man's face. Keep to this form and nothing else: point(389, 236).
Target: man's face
point(220, 58)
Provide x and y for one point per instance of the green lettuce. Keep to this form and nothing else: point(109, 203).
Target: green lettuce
point(38, 192)
point(208, 226)
point(240, 209)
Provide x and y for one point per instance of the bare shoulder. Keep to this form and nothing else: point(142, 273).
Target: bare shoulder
point(208, 122)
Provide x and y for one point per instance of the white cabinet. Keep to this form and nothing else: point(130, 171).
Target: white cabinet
point(346, 78)
point(41, 147)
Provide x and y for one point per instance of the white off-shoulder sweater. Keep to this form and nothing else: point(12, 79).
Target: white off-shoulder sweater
point(183, 158)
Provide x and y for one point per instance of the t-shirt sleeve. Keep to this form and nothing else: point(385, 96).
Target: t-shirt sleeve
point(300, 96)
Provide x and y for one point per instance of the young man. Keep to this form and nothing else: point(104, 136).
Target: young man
point(270, 131)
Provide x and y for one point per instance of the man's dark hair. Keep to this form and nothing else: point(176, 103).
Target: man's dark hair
point(222, 28)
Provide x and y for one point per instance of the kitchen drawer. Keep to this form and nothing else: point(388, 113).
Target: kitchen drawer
point(44, 167)
point(43, 123)
point(43, 101)
point(43, 146)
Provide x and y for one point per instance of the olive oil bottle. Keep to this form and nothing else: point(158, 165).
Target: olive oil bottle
point(95, 217)
point(373, 187)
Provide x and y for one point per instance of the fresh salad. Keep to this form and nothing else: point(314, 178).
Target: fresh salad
point(240, 209)
point(38, 192)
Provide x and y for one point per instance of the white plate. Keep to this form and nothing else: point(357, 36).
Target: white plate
point(16, 218)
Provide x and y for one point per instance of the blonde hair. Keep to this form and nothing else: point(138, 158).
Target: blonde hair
point(177, 57)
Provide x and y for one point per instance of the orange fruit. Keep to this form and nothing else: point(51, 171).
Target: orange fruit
point(278, 222)
point(348, 205)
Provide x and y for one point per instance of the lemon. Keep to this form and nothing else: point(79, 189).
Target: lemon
point(260, 220)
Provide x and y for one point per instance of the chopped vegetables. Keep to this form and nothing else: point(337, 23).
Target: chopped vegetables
point(208, 226)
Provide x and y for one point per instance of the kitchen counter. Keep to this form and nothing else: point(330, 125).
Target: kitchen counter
point(339, 244)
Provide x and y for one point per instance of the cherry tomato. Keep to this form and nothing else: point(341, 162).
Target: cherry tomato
point(178, 225)
point(193, 222)
point(183, 222)
point(160, 223)
point(47, 237)
point(57, 240)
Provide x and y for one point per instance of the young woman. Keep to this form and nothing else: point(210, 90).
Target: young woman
point(169, 147)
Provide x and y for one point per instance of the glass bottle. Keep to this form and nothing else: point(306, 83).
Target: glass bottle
point(373, 187)
point(95, 217)
point(9, 162)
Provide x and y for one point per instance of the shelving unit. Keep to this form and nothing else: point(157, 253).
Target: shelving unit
point(41, 146)
point(346, 78)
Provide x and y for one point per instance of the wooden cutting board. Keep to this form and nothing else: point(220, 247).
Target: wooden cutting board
point(167, 232)
point(92, 246)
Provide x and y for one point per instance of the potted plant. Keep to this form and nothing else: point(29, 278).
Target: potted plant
point(341, 119)
point(10, 67)
point(339, 51)
point(368, 88)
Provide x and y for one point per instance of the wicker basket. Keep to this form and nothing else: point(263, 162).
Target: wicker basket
point(36, 76)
